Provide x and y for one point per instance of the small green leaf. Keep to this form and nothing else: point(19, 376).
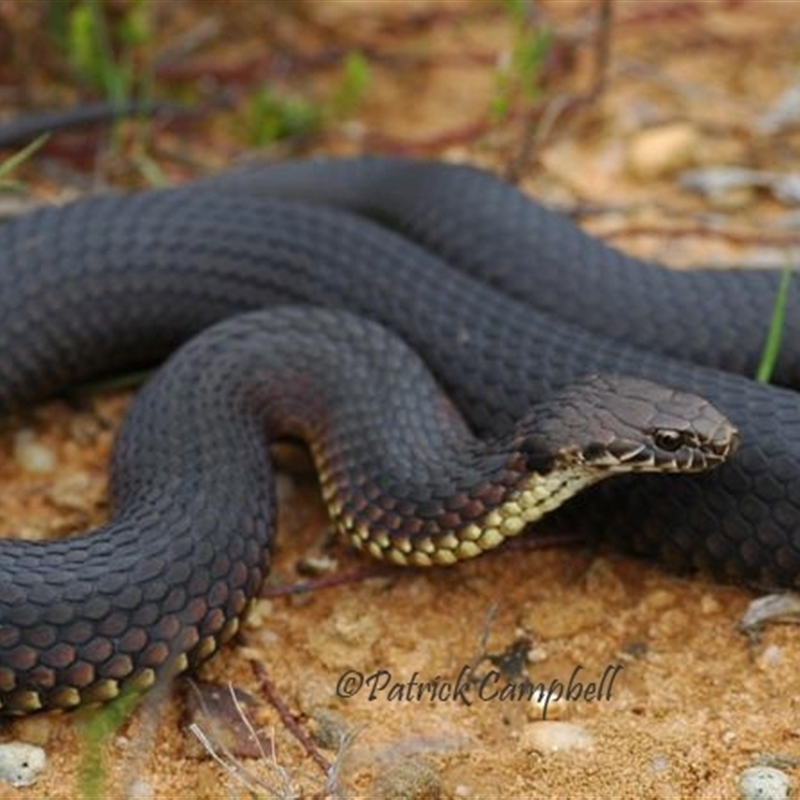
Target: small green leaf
point(81, 39)
point(353, 85)
point(275, 117)
point(518, 75)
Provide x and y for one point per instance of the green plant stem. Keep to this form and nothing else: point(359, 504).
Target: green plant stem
point(12, 162)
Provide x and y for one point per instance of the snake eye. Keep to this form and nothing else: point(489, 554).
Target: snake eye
point(667, 439)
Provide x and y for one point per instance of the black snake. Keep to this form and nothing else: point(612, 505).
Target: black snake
point(119, 281)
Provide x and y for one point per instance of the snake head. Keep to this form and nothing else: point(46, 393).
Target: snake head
point(613, 423)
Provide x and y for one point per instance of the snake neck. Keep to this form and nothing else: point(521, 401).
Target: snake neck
point(476, 512)
point(458, 496)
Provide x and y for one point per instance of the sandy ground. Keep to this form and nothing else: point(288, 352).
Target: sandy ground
point(688, 701)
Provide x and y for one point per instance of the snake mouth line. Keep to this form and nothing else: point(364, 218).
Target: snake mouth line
point(633, 457)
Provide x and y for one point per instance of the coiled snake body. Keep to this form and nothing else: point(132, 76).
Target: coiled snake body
point(116, 282)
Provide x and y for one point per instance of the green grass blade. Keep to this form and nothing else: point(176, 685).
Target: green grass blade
point(772, 346)
point(12, 162)
point(98, 727)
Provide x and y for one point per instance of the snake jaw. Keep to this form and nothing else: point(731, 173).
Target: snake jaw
point(687, 453)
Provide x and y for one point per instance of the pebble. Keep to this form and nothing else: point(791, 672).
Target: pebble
point(661, 151)
point(21, 763)
point(764, 783)
point(31, 455)
point(556, 737)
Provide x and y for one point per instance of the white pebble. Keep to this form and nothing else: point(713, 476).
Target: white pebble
point(31, 455)
point(141, 790)
point(21, 763)
point(660, 764)
point(764, 783)
point(556, 737)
